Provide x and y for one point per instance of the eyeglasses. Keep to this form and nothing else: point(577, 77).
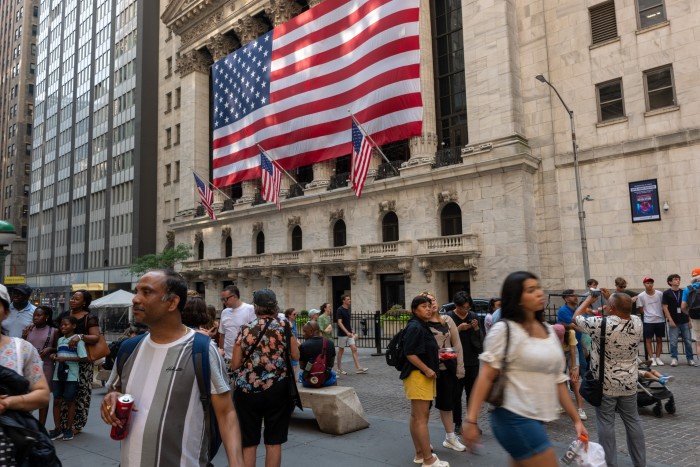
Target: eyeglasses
point(225, 299)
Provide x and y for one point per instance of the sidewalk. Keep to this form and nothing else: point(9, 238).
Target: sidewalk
point(385, 442)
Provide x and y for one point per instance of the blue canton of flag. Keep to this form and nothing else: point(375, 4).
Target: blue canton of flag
point(361, 157)
point(206, 196)
point(242, 81)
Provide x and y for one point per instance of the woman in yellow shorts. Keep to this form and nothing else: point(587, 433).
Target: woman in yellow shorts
point(418, 375)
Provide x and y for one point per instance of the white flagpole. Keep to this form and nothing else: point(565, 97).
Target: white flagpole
point(276, 164)
point(372, 141)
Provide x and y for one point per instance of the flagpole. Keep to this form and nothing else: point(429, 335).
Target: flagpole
point(276, 164)
point(212, 185)
point(376, 146)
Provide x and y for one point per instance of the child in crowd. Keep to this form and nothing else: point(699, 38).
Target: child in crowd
point(43, 337)
point(646, 372)
point(65, 377)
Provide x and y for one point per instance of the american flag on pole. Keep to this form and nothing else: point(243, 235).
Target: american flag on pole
point(205, 195)
point(290, 89)
point(361, 156)
point(271, 179)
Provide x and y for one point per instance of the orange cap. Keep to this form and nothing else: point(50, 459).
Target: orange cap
point(695, 272)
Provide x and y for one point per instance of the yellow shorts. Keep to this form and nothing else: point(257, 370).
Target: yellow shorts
point(419, 387)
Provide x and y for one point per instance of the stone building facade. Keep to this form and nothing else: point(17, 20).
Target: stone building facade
point(489, 186)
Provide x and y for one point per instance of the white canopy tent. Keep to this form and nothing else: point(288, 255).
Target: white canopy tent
point(120, 298)
point(114, 312)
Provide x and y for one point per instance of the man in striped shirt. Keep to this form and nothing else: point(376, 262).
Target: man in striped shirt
point(169, 426)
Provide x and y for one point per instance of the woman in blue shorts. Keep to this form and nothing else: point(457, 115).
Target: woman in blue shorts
point(535, 378)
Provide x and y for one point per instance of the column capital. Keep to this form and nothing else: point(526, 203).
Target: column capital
point(220, 45)
point(313, 3)
point(281, 11)
point(194, 60)
point(248, 29)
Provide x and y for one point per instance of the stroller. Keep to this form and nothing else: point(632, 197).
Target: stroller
point(652, 392)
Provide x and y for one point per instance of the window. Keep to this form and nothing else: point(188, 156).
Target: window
point(603, 22)
point(177, 134)
point(610, 102)
point(451, 220)
point(228, 247)
point(168, 137)
point(176, 175)
point(651, 12)
point(390, 227)
point(200, 250)
point(260, 243)
point(168, 173)
point(168, 102)
point(178, 94)
point(659, 88)
point(339, 233)
point(296, 238)
point(169, 66)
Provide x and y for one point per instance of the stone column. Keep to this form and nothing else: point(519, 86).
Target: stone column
point(423, 147)
point(322, 175)
point(193, 68)
point(281, 11)
point(248, 29)
point(313, 3)
point(220, 45)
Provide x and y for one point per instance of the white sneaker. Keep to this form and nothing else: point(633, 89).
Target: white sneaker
point(653, 361)
point(659, 361)
point(454, 444)
point(437, 463)
point(674, 362)
point(582, 414)
point(692, 363)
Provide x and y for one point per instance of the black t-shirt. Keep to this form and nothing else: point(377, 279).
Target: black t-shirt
point(419, 341)
point(469, 339)
point(311, 348)
point(672, 299)
point(343, 314)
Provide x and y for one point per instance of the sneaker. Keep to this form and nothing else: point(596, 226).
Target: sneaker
point(653, 361)
point(674, 362)
point(666, 378)
point(692, 363)
point(437, 463)
point(55, 434)
point(361, 371)
point(454, 444)
point(342, 372)
point(659, 361)
point(67, 435)
point(582, 414)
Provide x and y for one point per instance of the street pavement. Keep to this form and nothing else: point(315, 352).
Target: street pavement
point(672, 440)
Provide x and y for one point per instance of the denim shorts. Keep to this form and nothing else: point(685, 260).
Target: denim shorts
point(520, 436)
point(66, 390)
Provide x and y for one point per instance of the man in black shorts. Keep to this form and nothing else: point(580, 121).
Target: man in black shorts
point(649, 303)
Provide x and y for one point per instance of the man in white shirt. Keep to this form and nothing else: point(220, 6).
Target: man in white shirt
point(21, 311)
point(236, 313)
point(649, 303)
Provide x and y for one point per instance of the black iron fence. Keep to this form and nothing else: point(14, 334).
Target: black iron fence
point(388, 170)
point(295, 190)
point(339, 180)
point(448, 156)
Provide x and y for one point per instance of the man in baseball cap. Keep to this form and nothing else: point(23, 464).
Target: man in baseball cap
point(687, 303)
point(21, 311)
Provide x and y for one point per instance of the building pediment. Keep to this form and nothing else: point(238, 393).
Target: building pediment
point(181, 15)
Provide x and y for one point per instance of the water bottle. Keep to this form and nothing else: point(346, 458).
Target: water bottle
point(573, 453)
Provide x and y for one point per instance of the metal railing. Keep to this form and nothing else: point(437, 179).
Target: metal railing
point(388, 170)
point(339, 180)
point(447, 156)
point(257, 200)
point(295, 190)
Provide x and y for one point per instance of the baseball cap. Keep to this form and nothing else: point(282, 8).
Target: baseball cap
point(313, 312)
point(695, 272)
point(4, 297)
point(647, 279)
point(265, 298)
point(22, 289)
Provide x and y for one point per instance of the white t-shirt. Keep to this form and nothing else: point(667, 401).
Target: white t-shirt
point(230, 324)
point(535, 367)
point(653, 309)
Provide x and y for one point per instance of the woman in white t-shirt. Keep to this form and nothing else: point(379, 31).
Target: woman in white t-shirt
point(535, 378)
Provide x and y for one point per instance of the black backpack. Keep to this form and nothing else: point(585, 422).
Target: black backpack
point(693, 302)
point(394, 352)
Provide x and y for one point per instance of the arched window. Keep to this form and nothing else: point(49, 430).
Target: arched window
point(451, 220)
point(228, 247)
point(339, 237)
point(296, 238)
point(390, 227)
point(260, 244)
point(200, 250)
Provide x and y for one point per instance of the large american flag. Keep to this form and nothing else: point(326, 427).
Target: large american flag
point(361, 156)
point(271, 179)
point(290, 89)
point(205, 195)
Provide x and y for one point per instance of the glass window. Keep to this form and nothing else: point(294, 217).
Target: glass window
point(651, 12)
point(228, 247)
point(260, 243)
point(603, 22)
point(200, 250)
point(610, 102)
point(659, 88)
point(451, 220)
point(339, 234)
point(390, 228)
point(296, 238)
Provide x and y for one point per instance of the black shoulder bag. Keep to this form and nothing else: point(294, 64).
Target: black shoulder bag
point(591, 387)
point(294, 397)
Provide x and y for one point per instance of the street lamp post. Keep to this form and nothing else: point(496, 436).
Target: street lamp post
point(577, 175)
point(7, 235)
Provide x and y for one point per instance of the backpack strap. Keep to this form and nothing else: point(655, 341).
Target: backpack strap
point(200, 360)
point(126, 348)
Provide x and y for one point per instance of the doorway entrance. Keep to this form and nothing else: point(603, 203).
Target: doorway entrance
point(340, 286)
point(456, 282)
point(393, 291)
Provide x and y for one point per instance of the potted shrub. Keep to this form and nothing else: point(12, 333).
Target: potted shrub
point(394, 319)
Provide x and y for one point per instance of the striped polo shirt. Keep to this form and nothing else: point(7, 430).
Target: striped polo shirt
point(169, 427)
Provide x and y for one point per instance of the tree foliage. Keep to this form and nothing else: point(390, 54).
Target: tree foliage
point(163, 260)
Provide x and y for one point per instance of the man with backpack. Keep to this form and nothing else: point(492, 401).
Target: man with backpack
point(691, 304)
point(316, 356)
point(177, 387)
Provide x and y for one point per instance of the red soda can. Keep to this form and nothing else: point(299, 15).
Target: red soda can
point(122, 410)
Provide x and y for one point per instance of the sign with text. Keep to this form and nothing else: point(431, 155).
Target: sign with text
point(644, 201)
